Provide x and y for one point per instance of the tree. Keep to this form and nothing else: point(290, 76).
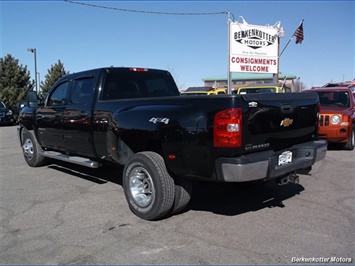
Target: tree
point(54, 73)
point(299, 86)
point(14, 80)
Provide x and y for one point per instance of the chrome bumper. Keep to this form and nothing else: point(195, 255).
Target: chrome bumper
point(264, 165)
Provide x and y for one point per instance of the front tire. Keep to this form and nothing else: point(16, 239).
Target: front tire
point(31, 148)
point(148, 187)
point(351, 142)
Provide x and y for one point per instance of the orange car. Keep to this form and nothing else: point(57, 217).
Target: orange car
point(337, 115)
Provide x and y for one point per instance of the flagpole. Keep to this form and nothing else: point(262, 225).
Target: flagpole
point(287, 44)
point(293, 35)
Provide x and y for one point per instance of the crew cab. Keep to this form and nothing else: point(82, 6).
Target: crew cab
point(136, 117)
point(337, 115)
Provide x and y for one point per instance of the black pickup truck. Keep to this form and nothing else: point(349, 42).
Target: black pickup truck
point(135, 117)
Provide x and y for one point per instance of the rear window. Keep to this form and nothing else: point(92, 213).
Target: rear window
point(126, 85)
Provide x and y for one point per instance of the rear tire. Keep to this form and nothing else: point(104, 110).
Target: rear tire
point(31, 148)
point(351, 142)
point(183, 191)
point(148, 187)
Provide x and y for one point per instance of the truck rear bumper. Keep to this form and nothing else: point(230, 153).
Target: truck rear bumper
point(265, 164)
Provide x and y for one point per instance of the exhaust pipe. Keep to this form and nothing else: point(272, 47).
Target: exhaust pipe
point(292, 178)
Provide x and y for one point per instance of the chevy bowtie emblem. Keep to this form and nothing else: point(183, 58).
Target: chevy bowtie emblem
point(253, 104)
point(286, 122)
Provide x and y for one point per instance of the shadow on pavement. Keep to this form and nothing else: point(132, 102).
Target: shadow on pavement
point(220, 198)
point(237, 198)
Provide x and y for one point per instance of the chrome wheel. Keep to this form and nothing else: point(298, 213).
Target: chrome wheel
point(28, 149)
point(31, 149)
point(349, 145)
point(148, 187)
point(141, 186)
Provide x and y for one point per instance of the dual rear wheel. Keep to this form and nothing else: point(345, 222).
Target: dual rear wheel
point(150, 191)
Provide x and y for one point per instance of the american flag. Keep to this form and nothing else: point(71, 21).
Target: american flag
point(299, 34)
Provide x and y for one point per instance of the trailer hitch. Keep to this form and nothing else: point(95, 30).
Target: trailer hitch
point(291, 178)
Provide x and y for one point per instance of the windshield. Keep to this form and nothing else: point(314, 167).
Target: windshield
point(340, 99)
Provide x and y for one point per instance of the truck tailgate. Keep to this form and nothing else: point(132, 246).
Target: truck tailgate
point(279, 121)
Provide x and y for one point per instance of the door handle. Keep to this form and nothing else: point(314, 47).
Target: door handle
point(287, 108)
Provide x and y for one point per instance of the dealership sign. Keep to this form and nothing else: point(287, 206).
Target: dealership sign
point(253, 48)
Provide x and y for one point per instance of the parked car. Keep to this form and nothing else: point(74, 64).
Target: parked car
point(340, 84)
point(337, 115)
point(17, 109)
point(217, 91)
point(6, 117)
point(204, 91)
point(262, 88)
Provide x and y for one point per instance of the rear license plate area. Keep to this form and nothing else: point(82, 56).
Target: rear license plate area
point(285, 158)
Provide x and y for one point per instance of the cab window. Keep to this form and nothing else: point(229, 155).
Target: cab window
point(82, 90)
point(59, 95)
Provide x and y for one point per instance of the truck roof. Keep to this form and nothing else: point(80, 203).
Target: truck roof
point(121, 69)
point(315, 89)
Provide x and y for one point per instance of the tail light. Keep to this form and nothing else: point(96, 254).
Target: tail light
point(227, 130)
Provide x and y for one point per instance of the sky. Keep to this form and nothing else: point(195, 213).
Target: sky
point(194, 46)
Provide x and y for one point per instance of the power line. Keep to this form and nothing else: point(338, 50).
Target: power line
point(149, 12)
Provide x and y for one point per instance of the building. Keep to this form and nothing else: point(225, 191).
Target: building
point(241, 79)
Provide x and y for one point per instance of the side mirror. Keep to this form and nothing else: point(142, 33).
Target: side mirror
point(65, 101)
point(32, 100)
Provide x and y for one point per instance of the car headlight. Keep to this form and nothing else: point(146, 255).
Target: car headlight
point(335, 119)
point(9, 113)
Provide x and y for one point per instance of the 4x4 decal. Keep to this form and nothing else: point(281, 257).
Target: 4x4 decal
point(155, 120)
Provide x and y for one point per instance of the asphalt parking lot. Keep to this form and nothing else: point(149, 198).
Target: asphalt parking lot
point(64, 214)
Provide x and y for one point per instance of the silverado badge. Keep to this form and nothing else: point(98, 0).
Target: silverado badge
point(286, 122)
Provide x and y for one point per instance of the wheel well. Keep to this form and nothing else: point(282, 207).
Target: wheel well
point(21, 131)
point(155, 146)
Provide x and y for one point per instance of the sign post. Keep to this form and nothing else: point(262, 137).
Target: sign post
point(229, 78)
